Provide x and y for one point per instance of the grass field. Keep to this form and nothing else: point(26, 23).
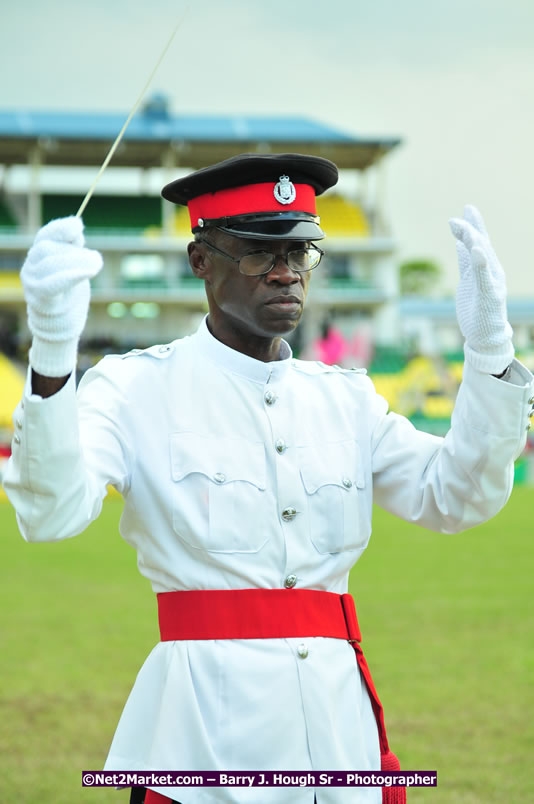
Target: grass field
point(448, 633)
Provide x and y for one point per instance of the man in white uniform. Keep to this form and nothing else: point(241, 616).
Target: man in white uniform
point(251, 473)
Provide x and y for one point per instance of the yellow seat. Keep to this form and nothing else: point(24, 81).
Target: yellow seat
point(10, 279)
point(341, 217)
point(12, 385)
point(438, 407)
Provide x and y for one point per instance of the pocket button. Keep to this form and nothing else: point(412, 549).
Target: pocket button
point(288, 514)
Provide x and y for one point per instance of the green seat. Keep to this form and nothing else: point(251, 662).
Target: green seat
point(6, 218)
point(113, 212)
point(387, 360)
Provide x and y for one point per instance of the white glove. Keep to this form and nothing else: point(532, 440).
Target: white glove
point(481, 296)
point(55, 278)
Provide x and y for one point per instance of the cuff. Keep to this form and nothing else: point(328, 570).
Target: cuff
point(497, 407)
point(53, 359)
point(495, 363)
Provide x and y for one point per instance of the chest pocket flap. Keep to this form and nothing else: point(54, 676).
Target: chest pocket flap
point(220, 498)
point(334, 480)
point(331, 464)
point(223, 460)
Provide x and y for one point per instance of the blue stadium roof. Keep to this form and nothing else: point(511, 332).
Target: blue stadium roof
point(67, 137)
point(106, 126)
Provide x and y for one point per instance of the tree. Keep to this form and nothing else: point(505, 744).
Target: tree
point(419, 277)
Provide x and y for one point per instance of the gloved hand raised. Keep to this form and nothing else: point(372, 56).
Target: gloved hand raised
point(481, 296)
point(55, 278)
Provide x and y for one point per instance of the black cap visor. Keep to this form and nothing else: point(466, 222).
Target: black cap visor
point(277, 226)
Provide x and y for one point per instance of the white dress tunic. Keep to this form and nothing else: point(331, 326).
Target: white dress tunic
point(241, 474)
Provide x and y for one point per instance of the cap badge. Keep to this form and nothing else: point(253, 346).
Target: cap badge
point(284, 191)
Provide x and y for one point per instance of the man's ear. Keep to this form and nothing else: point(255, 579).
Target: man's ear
point(198, 259)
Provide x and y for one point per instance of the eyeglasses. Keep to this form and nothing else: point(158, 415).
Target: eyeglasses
point(258, 263)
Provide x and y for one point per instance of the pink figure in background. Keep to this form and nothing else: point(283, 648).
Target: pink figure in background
point(332, 347)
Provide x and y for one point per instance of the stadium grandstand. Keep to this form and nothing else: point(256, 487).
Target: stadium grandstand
point(146, 293)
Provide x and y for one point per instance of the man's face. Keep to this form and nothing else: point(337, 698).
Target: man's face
point(265, 306)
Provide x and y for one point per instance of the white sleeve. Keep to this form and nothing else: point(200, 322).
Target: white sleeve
point(67, 449)
point(452, 483)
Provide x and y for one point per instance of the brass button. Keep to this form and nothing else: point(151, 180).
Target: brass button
point(270, 397)
point(347, 482)
point(16, 439)
point(302, 650)
point(290, 581)
point(18, 424)
point(531, 400)
point(529, 425)
point(280, 446)
point(219, 477)
point(288, 514)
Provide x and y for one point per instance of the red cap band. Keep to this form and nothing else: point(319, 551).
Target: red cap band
point(247, 200)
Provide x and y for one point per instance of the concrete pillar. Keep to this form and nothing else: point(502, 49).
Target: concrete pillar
point(168, 210)
point(386, 322)
point(382, 222)
point(385, 275)
point(34, 192)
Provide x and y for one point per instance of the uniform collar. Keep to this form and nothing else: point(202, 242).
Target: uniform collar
point(238, 363)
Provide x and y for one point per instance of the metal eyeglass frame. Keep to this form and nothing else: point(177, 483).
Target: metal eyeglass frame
point(274, 258)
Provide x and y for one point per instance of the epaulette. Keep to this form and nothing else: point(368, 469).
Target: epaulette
point(159, 351)
point(318, 367)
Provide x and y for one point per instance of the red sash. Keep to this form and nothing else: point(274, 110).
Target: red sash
point(273, 613)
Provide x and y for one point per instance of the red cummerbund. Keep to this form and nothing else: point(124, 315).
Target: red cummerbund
point(256, 614)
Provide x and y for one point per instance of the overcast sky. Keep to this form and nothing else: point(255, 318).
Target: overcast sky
point(453, 79)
